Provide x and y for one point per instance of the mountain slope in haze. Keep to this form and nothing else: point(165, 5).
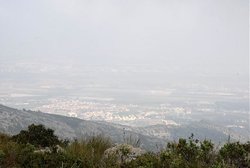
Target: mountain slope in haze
point(151, 137)
point(12, 121)
point(201, 129)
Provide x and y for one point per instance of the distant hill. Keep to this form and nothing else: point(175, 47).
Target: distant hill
point(151, 137)
point(12, 121)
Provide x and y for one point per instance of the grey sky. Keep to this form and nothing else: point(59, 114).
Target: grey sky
point(208, 35)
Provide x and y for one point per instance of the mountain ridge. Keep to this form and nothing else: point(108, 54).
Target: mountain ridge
point(13, 120)
point(151, 137)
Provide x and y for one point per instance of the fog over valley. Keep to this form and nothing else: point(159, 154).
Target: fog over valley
point(163, 69)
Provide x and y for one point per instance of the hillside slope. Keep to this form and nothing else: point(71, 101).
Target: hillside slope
point(13, 120)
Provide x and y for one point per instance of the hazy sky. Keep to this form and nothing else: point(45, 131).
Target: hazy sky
point(208, 35)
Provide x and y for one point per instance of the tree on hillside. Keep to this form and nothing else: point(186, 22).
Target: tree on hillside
point(38, 136)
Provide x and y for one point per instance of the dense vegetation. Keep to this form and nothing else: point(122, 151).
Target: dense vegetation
point(39, 147)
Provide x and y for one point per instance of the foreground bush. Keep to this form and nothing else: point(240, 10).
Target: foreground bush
point(25, 150)
point(38, 136)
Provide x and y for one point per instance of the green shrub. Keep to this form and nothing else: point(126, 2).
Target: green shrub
point(27, 151)
point(235, 154)
point(38, 136)
point(89, 151)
